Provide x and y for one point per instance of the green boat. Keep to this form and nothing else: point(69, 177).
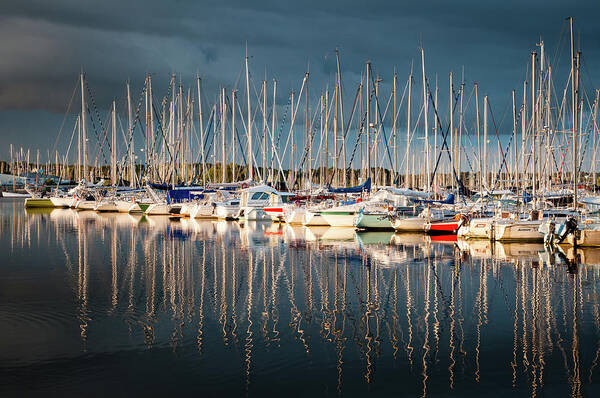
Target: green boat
point(373, 221)
point(38, 203)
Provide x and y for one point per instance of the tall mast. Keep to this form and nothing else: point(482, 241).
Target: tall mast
point(79, 147)
point(485, 135)
point(435, 131)
point(595, 135)
point(223, 126)
point(479, 142)
point(273, 149)
point(264, 132)
point(395, 128)
point(180, 136)
point(321, 135)
point(172, 130)
point(523, 132)
point(307, 115)
point(514, 111)
point(450, 103)
point(335, 136)
point(533, 128)
point(368, 121)
point(202, 133)
point(376, 130)
point(147, 119)
point(425, 112)
point(130, 138)
point(250, 154)
point(233, 167)
point(83, 128)
point(113, 155)
point(325, 156)
point(339, 78)
point(12, 167)
point(291, 171)
point(460, 126)
point(151, 131)
point(407, 173)
point(574, 114)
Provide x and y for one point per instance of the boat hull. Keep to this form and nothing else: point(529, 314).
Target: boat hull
point(339, 219)
point(85, 205)
point(204, 211)
point(296, 216)
point(373, 221)
point(409, 224)
point(61, 202)
point(584, 238)
point(15, 195)
point(477, 228)
point(314, 219)
point(227, 212)
point(520, 231)
point(253, 214)
point(158, 209)
point(106, 206)
point(276, 213)
point(38, 202)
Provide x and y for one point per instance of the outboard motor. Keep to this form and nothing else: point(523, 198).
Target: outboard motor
point(570, 227)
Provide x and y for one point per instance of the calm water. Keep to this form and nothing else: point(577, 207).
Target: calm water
point(99, 304)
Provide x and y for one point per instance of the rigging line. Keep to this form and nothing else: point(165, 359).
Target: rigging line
point(287, 108)
point(585, 146)
point(445, 137)
point(361, 129)
point(91, 97)
point(307, 147)
point(378, 109)
point(131, 143)
point(236, 131)
point(105, 134)
point(65, 117)
point(160, 129)
point(498, 137)
point(503, 163)
point(350, 119)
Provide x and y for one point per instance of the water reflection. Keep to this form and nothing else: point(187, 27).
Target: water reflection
point(244, 306)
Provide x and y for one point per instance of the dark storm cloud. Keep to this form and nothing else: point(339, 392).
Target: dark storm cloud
point(45, 44)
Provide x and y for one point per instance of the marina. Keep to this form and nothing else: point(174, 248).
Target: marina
point(245, 308)
point(224, 201)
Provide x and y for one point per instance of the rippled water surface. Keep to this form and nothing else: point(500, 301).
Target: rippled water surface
point(107, 304)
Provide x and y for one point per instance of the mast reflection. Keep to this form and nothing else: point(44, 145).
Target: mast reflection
point(332, 299)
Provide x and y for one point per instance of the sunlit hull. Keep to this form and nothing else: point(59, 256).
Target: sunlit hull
point(85, 205)
point(227, 212)
point(158, 209)
point(204, 211)
point(409, 224)
point(61, 202)
point(106, 206)
point(443, 227)
point(296, 216)
point(520, 231)
point(314, 219)
point(253, 214)
point(275, 213)
point(373, 221)
point(124, 206)
point(15, 195)
point(477, 228)
point(339, 219)
point(585, 238)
